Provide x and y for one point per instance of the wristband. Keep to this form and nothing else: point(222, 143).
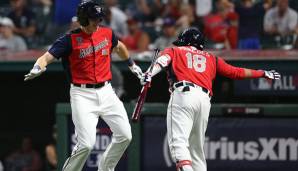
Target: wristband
point(36, 67)
point(130, 62)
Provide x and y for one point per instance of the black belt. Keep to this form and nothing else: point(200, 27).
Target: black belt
point(179, 84)
point(97, 85)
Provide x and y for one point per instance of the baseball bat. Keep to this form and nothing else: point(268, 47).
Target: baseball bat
point(142, 96)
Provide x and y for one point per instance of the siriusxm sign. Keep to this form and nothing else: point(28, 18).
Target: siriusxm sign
point(233, 144)
point(274, 149)
point(262, 149)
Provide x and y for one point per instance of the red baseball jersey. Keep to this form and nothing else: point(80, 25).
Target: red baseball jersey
point(86, 58)
point(199, 67)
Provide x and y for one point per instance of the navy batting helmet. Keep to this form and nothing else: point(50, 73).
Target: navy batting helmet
point(89, 10)
point(190, 37)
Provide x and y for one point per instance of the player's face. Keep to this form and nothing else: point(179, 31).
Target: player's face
point(93, 23)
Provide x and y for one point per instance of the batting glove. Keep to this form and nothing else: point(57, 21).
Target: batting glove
point(136, 70)
point(146, 78)
point(272, 75)
point(34, 72)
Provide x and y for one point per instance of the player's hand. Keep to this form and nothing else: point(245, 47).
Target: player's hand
point(136, 70)
point(34, 72)
point(146, 78)
point(272, 75)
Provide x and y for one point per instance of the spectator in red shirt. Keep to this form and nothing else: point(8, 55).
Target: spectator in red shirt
point(137, 39)
point(217, 25)
point(232, 32)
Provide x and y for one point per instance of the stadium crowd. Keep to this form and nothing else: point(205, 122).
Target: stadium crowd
point(145, 24)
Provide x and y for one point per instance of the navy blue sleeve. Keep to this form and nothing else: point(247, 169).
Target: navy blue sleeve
point(114, 40)
point(61, 48)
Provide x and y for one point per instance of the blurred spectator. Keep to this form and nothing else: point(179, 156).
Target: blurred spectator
point(137, 39)
point(172, 8)
point(203, 7)
point(187, 16)
point(51, 153)
point(24, 159)
point(217, 25)
point(232, 32)
point(9, 42)
point(169, 34)
point(116, 18)
point(146, 11)
point(251, 23)
point(43, 11)
point(281, 21)
point(23, 19)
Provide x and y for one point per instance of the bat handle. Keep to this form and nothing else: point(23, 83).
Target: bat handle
point(137, 110)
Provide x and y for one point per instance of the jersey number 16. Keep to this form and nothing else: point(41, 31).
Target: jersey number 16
point(196, 62)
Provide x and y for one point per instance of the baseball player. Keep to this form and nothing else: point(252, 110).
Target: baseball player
point(190, 73)
point(86, 58)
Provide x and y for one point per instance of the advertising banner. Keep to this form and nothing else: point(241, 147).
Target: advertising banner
point(286, 86)
point(103, 139)
point(233, 144)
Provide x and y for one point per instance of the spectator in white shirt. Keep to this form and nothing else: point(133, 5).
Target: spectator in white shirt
point(9, 42)
point(169, 34)
point(281, 20)
point(117, 18)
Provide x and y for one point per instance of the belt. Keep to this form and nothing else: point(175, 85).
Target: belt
point(186, 84)
point(96, 85)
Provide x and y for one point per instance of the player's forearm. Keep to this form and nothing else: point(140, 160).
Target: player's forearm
point(45, 60)
point(250, 73)
point(161, 62)
point(122, 51)
point(156, 69)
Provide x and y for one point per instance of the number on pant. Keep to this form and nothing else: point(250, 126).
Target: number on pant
point(198, 62)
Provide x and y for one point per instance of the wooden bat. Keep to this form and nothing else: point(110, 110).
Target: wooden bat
point(142, 96)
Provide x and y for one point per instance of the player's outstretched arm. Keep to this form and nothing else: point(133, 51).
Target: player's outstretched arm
point(233, 72)
point(40, 66)
point(122, 51)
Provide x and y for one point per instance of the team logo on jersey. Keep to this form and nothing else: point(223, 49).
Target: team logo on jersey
point(87, 51)
point(79, 40)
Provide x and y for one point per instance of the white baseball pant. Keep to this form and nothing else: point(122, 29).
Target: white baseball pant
point(88, 104)
point(187, 119)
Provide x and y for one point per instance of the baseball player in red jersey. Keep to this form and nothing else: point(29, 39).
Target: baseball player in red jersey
point(86, 58)
point(191, 72)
